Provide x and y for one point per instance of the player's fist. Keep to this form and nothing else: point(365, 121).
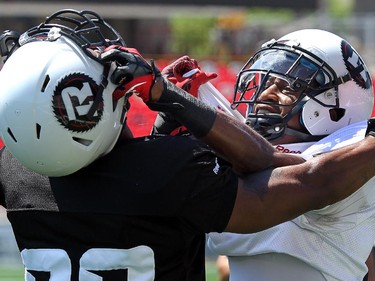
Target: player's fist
point(176, 70)
point(187, 74)
point(132, 71)
point(191, 84)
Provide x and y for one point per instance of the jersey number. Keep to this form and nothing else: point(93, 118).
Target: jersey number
point(94, 264)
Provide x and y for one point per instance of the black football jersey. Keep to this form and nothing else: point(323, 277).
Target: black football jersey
point(138, 213)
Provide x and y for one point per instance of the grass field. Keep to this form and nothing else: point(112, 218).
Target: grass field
point(211, 271)
point(11, 273)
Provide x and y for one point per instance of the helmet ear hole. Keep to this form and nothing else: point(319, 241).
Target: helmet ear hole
point(38, 130)
point(336, 114)
point(45, 83)
point(85, 142)
point(10, 133)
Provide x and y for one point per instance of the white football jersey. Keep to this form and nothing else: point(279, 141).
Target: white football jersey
point(335, 240)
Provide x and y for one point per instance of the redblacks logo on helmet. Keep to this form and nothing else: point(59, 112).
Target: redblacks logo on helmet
point(72, 99)
point(355, 66)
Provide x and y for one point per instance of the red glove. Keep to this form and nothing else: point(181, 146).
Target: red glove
point(178, 73)
point(178, 68)
point(133, 72)
point(192, 83)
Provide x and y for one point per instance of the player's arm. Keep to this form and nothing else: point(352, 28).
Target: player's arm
point(370, 262)
point(272, 196)
point(265, 198)
point(243, 147)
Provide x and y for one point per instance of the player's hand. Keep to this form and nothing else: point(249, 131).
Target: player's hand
point(187, 74)
point(174, 72)
point(370, 131)
point(132, 71)
point(192, 83)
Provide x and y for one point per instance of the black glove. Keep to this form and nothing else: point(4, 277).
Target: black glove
point(133, 72)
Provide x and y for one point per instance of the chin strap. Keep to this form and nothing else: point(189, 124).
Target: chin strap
point(304, 137)
point(278, 129)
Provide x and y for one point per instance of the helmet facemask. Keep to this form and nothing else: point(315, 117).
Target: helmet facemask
point(8, 44)
point(86, 28)
point(302, 76)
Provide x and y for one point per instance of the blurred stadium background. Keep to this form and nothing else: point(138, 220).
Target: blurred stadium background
point(220, 34)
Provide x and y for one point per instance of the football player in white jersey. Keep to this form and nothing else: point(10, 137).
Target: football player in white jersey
point(308, 92)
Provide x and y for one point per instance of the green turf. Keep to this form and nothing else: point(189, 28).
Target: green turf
point(211, 271)
point(11, 273)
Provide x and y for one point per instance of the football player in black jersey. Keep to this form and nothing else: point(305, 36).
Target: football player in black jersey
point(86, 205)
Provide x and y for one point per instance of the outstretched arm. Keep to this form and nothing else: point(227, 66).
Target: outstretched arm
point(264, 198)
point(273, 196)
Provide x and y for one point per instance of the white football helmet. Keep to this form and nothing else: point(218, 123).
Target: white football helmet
point(335, 83)
point(58, 111)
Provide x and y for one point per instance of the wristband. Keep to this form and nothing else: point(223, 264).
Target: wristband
point(194, 114)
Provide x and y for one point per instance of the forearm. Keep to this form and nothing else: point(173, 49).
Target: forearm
point(281, 194)
point(245, 148)
point(342, 172)
point(242, 146)
point(330, 177)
